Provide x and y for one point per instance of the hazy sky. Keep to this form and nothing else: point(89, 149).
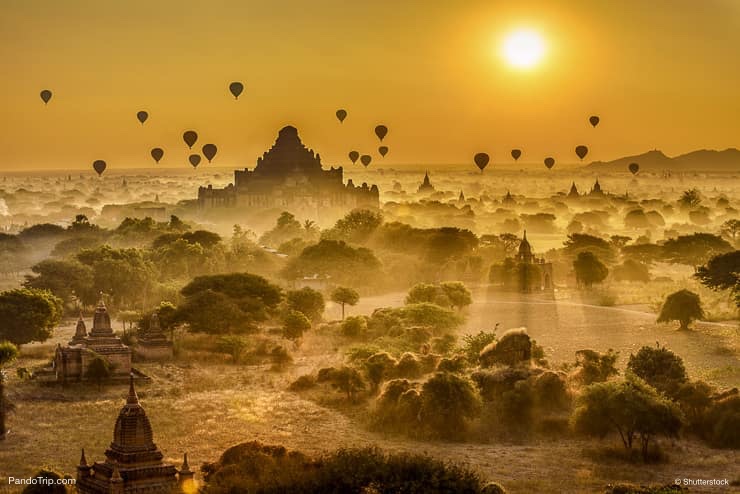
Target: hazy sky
point(661, 74)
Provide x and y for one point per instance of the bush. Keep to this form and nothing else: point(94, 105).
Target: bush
point(593, 367)
point(303, 383)
point(379, 367)
point(447, 402)
point(660, 368)
point(308, 301)
point(46, 488)
point(474, 344)
point(354, 326)
point(723, 423)
point(408, 366)
point(295, 324)
point(253, 467)
point(280, 357)
point(514, 347)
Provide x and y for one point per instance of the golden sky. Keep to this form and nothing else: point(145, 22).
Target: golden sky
point(660, 73)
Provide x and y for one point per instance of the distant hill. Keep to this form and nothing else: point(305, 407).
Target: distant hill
point(703, 160)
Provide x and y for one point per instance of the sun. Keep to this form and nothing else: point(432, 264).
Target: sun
point(523, 48)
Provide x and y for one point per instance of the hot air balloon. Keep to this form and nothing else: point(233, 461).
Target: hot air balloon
point(194, 160)
point(236, 89)
point(209, 151)
point(549, 163)
point(634, 168)
point(581, 151)
point(515, 153)
point(341, 115)
point(157, 154)
point(142, 116)
point(365, 159)
point(99, 166)
point(190, 137)
point(594, 120)
point(481, 159)
point(383, 150)
point(45, 95)
point(354, 156)
point(381, 131)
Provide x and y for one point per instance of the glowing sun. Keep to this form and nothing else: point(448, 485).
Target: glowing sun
point(523, 48)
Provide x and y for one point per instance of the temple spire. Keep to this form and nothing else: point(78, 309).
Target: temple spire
point(133, 398)
point(83, 460)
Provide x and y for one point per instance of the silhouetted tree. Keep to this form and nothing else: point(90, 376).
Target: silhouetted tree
point(344, 296)
point(683, 306)
point(632, 408)
point(295, 324)
point(447, 401)
point(722, 272)
point(589, 269)
point(660, 368)
point(694, 250)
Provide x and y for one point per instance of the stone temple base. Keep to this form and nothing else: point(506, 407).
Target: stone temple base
point(154, 350)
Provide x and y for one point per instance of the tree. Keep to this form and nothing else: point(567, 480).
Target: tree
point(589, 269)
point(227, 303)
point(233, 345)
point(694, 250)
point(286, 228)
point(447, 401)
point(660, 368)
point(689, 199)
point(308, 301)
point(65, 279)
point(295, 324)
point(457, 293)
point(594, 367)
point(683, 306)
point(722, 272)
point(345, 296)
point(582, 242)
point(347, 380)
point(452, 294)
point(98, 370)
point(631, 270)
point(28, 314)
point(8, 353)
point(356, 227)
point(632, 408)
point(336, 259)
point(731, 229)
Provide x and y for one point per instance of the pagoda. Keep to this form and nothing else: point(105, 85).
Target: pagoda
point(152, 343)
point(71, 362)
point(426, 186)
point(133, 463)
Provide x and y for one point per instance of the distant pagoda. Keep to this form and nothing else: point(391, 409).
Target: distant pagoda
point(426, 186)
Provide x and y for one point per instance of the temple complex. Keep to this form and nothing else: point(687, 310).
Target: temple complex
point(290, 177)
point(71, 362)
point(133, 463)
point(152, 343)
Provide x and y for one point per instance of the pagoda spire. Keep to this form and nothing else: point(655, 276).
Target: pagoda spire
point(83, 460)
point(133, 398)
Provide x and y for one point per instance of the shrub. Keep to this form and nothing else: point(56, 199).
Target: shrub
point(408, 366)
point(295, 324)
point(474, 344)
point(660, 368)
point(454, 364)
point(378, 367)
point(447, 401)
point(280, 357)
point(593, 367)
point(253, 467)
point(514, 347)
point(308, 301)
point(354, 326)
point(723, 423)
point(302, 383)
point(48, 487)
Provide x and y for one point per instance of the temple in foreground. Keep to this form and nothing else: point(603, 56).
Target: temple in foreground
point(290, 177)
point(133, 463)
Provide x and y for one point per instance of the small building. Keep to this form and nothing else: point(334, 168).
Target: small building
point(133, 463)
point(508, 199)
point(152, 343)
point(71, 362)
point(524, 272)
point(596, 189)
point(426, 186)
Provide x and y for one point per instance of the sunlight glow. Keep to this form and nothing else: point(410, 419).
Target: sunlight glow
point(523, 48)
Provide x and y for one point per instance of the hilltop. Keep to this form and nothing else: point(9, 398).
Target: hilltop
point(703, 160)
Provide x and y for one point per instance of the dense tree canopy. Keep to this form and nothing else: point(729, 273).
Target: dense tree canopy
point(695, 249)
point(28, 315)
point(308, 301)
point(683, 306)
point(722, 272)
point(589, 269)
point(343, 263)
